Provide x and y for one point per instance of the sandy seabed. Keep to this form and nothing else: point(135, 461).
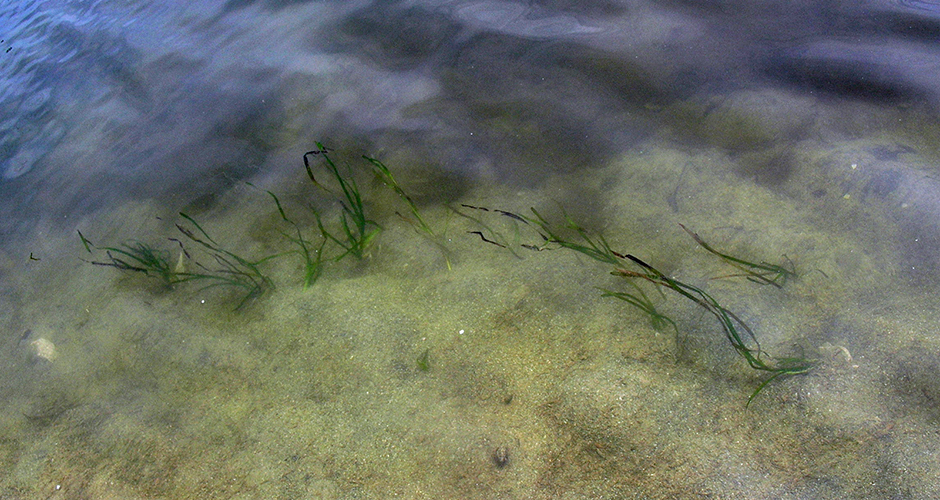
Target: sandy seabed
point(507, 375)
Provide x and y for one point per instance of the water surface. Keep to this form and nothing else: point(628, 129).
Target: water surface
point(462, 353)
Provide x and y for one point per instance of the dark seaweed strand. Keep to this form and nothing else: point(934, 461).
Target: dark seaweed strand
point(763, 273)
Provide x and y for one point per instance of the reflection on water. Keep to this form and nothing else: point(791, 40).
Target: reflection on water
point(439, 364)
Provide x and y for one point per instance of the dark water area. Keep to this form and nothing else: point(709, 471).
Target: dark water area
point(589, 79)
point(805, 132)
point(107, 101)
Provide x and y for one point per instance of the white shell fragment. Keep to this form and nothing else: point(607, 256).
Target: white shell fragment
point(42, 348)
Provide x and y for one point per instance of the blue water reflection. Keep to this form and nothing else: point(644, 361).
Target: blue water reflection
point(585, 75)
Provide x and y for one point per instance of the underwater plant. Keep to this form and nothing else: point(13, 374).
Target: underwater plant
point(140, 257)
point(385, 175)
point(641, 301)
point(763, 273)
point(358, 230)
point(738, 333)
point(312, 255)
point(423, 361)
point(230, 270)
point(489, 234)
point(233, 269)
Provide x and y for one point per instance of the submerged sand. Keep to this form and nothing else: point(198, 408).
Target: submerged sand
point(534, 385)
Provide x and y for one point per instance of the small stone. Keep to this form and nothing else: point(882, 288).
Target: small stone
point(43, 349)
point(501, 456)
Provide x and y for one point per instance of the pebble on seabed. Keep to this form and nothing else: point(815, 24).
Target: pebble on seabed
point(43, 349)
point(501, 457)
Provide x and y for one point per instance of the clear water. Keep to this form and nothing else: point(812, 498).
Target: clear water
point(440, 364)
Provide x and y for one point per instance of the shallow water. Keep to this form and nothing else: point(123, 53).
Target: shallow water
point(462, 354)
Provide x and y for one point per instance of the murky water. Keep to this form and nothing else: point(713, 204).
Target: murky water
point(190, 313)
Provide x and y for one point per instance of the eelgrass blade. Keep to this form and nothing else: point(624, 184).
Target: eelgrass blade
point(85, 242)
point(201, 230)
point(140, 257)
point(490, 235)
point(764, 384)
point(763, 273)
point(355, 224)
point(385, 175)
point(235, 270)
point(424, 361)
point(320, 150)
point(595, 247)
point(312, 265)
point(738, 333)
point(383, 172)
point(731, 323)
point(658, 320)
